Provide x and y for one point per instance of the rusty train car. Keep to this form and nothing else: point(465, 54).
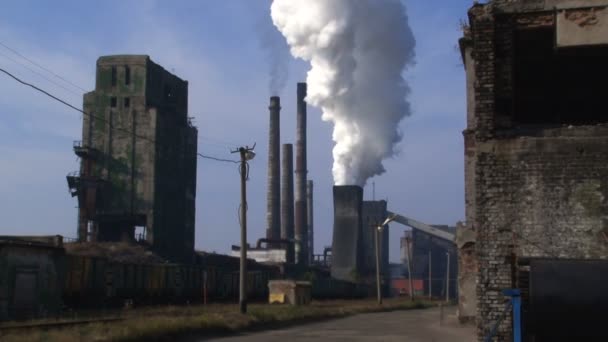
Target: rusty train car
point(93, 281)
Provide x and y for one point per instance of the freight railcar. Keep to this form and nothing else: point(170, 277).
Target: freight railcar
point(91, 281)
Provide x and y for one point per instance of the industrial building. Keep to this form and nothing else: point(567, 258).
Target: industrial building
point(536, 146)
point(29, 270)
point(138, 159)
point(430, 258)
point(353, 243)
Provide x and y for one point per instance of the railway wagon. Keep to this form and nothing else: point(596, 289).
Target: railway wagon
point(91, 281)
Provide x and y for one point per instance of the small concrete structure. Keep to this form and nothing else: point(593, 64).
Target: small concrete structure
point(30, 269)
point(289, 292)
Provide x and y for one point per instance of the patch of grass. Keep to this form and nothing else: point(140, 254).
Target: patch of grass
point(167, 323)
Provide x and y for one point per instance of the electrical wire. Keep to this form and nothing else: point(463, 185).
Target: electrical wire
point(101, 118)
point(218, 159)
point(44, 92)
point(41, 75)
point(41, 67)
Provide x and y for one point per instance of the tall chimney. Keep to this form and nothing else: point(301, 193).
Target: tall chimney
point(287, 199)
point(346, 252)
point(273, 196)
point(311, 240)
point(301, 212)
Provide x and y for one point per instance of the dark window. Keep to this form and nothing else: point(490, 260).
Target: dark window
point(113, 76)
point(127, 102)
point(127, 75)
point(168, 92)
point(558, 86)
point(113, 102)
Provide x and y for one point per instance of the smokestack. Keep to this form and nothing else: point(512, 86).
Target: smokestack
point(346, 251)
point(273, 196)
point(311, 240)
point(301, 212)
point(287, 223)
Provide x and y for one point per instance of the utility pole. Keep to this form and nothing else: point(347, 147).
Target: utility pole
point(430, 277)
point(378, 291)
point(409, 267)
point(377, 229)
point(246, 154)
point(447, 280)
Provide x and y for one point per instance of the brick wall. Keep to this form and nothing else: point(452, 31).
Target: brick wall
point(535, 193)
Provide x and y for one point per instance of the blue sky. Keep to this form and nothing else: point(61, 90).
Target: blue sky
point(215, 45)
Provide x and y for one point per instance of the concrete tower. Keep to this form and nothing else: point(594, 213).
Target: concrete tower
point(273, 195)
point(138, 158)
point(301, 224)
point(287, 223)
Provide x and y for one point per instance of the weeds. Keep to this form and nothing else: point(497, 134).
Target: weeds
point(166, 323)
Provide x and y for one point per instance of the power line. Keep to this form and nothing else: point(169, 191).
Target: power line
point(218, 159)
point(41, 67)
point(102, 118)
point(39, 74)
point(43, 91)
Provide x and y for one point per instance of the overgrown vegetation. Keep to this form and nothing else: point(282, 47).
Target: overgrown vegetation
point(167, 323)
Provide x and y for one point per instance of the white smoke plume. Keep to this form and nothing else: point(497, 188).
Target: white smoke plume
point(358, 50)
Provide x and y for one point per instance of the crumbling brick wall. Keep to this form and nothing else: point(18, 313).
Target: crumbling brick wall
point(536, 192)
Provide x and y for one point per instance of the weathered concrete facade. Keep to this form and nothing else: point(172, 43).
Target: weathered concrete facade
point(139, 159)
point(30, 271)
point(536, 142)
point(347, 243)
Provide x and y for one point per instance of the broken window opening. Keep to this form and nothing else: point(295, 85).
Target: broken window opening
point(113, 102)
point(113, 76)
point(168, 92)
point(127, 75)
point(127, 102)
point(91, 233)
point(140, 233)
point(557, 86)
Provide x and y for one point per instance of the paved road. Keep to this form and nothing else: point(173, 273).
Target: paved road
point(409, 326)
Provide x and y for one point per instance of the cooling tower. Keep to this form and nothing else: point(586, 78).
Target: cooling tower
point(347, 236)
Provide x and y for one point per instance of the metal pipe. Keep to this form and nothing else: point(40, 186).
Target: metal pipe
point(287, 223)
point(301, 170)
point(273, 195)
